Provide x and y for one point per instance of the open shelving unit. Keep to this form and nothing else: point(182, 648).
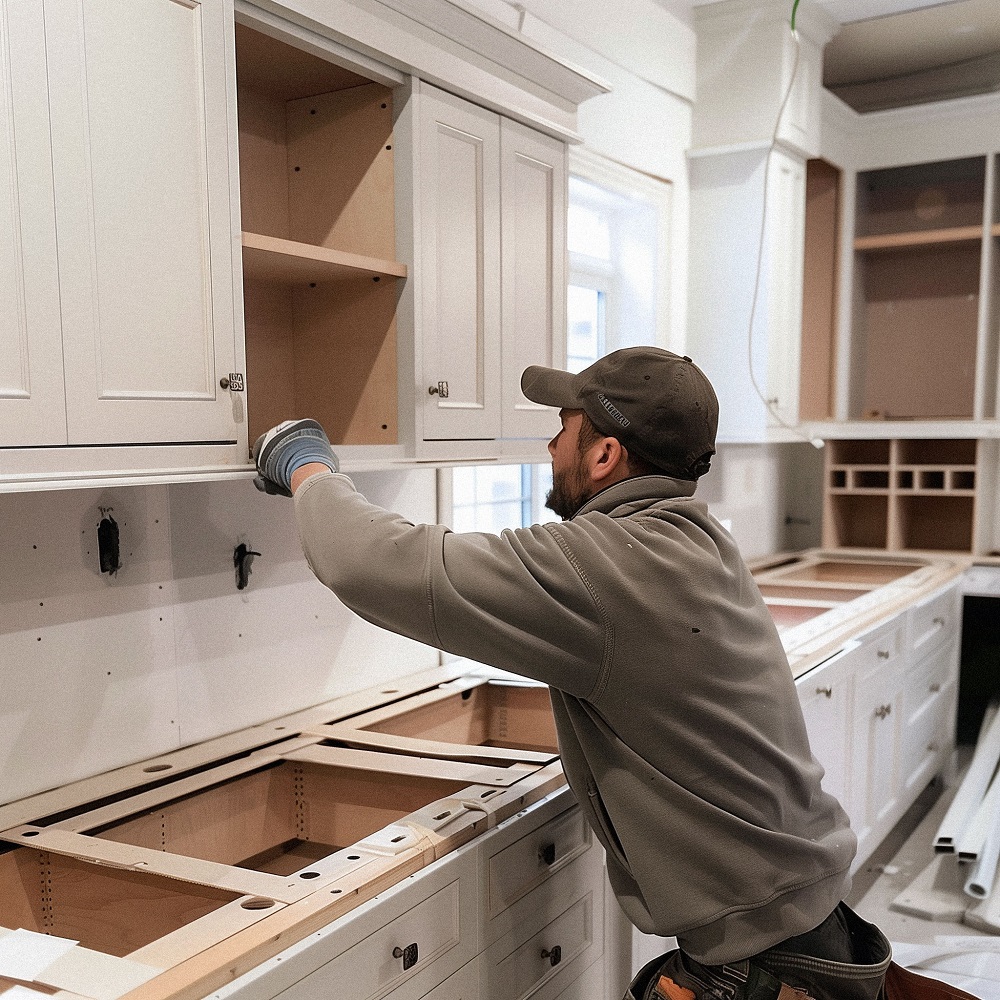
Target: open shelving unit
point(901, 494)
point(919, 242)
point(320, 278)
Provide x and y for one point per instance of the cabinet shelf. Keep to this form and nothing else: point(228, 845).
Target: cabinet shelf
point(268, 258)
point(924, 498)
point(924, 237)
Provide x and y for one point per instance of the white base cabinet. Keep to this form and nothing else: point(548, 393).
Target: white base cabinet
point(881, 713)
point(518, 912)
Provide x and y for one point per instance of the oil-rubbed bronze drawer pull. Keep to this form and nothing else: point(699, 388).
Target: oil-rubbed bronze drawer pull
point(547, 854)
point(883, 654)
point(554, 955)
point(825, 691)
point(409, 955)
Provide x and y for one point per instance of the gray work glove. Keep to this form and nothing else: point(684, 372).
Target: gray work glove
point(285, 448)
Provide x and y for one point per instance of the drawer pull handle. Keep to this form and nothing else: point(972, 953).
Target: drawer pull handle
point(554, 955)
point(825, 691)
point(935, 687)
point(883, 654)
point(441, 389)
point(407, 954)
point(939, 621)
point(882, 711)
point(547, 854)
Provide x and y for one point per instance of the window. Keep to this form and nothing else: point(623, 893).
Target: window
point(617, 225)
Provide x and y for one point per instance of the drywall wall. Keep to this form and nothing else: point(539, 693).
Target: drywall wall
point(98, 671)
point(771, 496)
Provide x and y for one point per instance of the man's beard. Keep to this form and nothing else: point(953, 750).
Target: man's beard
point(568, 494)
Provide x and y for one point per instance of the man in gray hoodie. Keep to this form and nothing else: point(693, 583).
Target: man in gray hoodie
point(679, 726)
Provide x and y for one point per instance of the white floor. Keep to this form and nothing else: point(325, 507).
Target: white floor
point(946, 949)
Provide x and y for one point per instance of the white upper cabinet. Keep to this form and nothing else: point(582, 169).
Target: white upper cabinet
point(747, 205)
point(756, 121)
point(492, 227)
point(140, 152)
point(116, 273)
point(395, 239)
point(32, 408)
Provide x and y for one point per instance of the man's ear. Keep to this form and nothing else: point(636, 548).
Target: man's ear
point(607, 461)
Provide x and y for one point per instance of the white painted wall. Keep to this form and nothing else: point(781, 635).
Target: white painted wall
point(98, 671)
point(771, 494)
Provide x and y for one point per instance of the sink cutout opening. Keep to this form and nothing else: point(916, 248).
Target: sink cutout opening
point(280, 819)
point(847, 571)
point(105, 909)
point(507, 716)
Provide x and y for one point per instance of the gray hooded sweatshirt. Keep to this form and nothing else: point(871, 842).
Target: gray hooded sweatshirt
point(679, 726)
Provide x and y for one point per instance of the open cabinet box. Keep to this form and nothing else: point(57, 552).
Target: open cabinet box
point(321, 282)
point(507, 723)
point(175, 886)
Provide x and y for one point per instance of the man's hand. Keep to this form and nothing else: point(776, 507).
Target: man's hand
point(285, 448)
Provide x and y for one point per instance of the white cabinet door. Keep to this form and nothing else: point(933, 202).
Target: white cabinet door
point(876, 775)
point(929, 716)
point(825, 696)
point(459, 221)
point(32, 405)
point(784, 261)
point(533, 171)
point(140, 145)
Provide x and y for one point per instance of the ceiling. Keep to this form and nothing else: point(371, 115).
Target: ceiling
point(934, 52)
point(896, 53)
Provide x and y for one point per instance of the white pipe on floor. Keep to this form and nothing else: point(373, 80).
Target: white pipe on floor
point(980, 883)
point(973, 788)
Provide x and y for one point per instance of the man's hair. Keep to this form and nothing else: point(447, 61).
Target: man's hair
point(637, 465)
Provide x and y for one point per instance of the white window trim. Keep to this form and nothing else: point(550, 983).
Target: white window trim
point(591, 166)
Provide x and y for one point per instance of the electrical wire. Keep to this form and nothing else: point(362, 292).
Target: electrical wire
point(769, 404)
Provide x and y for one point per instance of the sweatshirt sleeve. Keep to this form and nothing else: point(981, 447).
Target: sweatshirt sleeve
point(515, 601)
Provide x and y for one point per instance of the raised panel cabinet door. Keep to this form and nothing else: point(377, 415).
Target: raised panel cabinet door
point(533, 172)
point(825, 696)
point(785, 246)
point(459, 222)
point(875, 767)
point(32, 404)
point(141, 152)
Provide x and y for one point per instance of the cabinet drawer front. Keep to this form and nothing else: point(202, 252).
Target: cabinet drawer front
point(543, 956)
point(880, 651)
point(463, 985)
point(375, 966)
point(933, 622)
point(528, 862)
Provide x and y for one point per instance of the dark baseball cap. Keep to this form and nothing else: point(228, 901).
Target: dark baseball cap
point(658, 404)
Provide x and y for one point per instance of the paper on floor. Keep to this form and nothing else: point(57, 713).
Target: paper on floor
point(969, 963)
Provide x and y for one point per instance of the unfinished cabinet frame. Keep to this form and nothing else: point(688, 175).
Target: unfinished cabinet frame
point(901, 494)
point(176, 886)
point(321, 279)
point(507, 723)
point(923, 278)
